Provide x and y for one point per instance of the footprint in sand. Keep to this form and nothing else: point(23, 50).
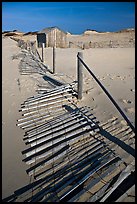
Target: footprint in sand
point(124, 78)
point(130, 110)
point(133, 90)
point(123, 122)
point(103, 78)
point(12, 95)
point(127, 101)
point(120, 77)
point(86, 82)
point(99, 92)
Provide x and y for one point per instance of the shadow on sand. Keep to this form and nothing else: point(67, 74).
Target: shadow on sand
point(53, 81)
point(71, 174)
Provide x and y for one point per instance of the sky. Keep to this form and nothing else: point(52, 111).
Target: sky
point(73, 17)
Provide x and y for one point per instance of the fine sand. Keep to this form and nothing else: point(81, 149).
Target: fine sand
point(15, 89)
point(115, 67)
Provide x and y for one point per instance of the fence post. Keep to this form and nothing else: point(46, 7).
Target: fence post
point(42, 52)
point(53, 59)
point(80, 75)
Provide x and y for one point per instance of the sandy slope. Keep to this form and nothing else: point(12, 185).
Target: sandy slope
point(13, 169)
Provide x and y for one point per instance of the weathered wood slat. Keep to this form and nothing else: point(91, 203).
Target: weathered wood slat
point(73, 154)
point(47, 98)
point(74, 160)
point(53, 122)
point(90, 171)
point(49, 93)
point(48, 112)
point(61, 102)
point(57, 129)
point(60, 142)
point(75, 195)
point(67, 96)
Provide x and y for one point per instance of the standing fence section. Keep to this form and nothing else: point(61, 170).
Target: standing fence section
point(43, 52)
point(53, 56)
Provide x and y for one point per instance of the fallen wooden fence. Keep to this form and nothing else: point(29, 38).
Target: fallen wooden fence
point(69, 158)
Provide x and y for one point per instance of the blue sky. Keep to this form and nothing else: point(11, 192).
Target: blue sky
point(74, 17)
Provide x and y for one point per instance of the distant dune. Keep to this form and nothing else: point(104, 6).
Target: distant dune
point(86, 32)
point(126, 30)
point(12, 33)
point(88, 39)
point(31, 33)
point(89, 32)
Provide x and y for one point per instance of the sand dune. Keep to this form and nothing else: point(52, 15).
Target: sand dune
point(115, 67)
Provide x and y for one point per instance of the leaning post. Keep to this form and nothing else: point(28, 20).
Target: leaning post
point(53, 59)
point(43, 52)
point(80, 74)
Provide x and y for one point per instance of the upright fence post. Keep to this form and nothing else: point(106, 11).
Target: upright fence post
point(53, 59)
point(42, 52)
point(80, 75)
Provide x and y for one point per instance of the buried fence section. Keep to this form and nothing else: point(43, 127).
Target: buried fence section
point(29, 48)
point(80, 63)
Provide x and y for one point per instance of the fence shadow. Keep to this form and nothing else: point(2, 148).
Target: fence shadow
point(117, 141)
point(53, 81)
